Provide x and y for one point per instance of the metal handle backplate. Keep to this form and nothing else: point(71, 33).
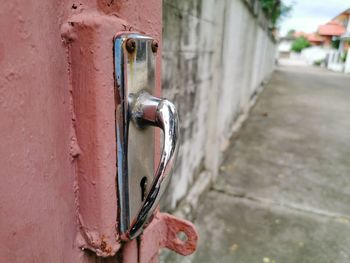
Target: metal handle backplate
point(140, 185)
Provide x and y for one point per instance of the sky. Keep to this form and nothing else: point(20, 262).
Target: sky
point(307, 15)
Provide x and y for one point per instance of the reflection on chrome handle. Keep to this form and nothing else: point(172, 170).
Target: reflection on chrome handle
point(145, 110)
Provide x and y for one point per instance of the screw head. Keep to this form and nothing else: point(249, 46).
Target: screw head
point(130, 45)
point(154, 46)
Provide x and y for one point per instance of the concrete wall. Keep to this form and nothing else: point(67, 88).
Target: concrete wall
point(216, 54)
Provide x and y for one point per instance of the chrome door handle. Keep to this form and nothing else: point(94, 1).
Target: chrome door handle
point(149, 110)
point(136, 111)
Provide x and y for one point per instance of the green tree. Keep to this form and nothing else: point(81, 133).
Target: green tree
point(344, 56)
point(299, 44)
point(336, 43)
point(275, 10)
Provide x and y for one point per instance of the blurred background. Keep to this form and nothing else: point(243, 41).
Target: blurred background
point(263, 92)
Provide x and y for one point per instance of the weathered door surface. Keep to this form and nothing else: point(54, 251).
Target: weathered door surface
point(58, 192)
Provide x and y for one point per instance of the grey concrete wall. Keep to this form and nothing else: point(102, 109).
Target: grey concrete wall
point(216, 54)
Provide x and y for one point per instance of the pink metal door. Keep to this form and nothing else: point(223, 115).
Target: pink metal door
point(58, 199)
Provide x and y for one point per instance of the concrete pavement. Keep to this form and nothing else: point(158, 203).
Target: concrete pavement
point(283, 194)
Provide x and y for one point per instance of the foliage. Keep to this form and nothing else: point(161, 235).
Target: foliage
point(319, 62)
point(344, 55)
point(299, 44)
point(275, 10)
point(336, 43)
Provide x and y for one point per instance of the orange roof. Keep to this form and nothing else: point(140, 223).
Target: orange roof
point(300, 34)
point(332, 28)
point(313, 37)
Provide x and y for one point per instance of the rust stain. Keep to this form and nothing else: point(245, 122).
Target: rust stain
point(104, 246)
point(131, 59)
point(132, 56)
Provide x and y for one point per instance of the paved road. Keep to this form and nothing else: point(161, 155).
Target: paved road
point(283, 194)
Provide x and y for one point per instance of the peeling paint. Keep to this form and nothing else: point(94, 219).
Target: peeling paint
point(163, 232)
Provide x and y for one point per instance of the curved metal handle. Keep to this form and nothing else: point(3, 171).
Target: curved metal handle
point(145, 110)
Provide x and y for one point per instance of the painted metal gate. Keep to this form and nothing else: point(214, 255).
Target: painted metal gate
point(59, 197)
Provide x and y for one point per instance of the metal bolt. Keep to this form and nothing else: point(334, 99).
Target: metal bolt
point(154, 46)
point(130, 45)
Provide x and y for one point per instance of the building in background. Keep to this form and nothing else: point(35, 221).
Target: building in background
point(328, 46)
point(344, 45)
point(315, 39)
point(330, 32)
point(339, 60)
point(344, 18)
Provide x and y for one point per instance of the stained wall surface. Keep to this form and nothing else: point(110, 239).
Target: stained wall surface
point(216, 55)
